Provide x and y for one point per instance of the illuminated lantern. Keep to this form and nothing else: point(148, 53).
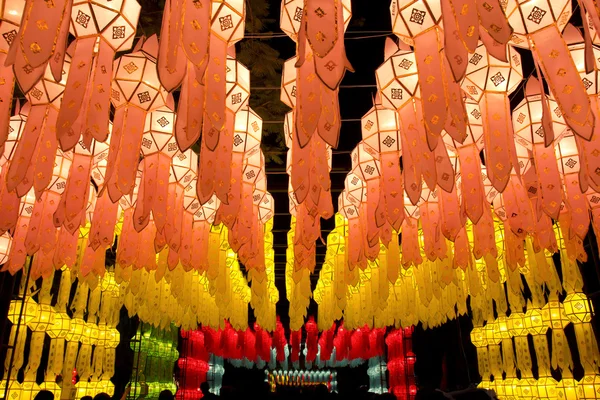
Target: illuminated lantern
point(579, 311)
point(489, 81)
point(348, 207)
point(517, 329)
point(158, 148)
point(135, 90)
point(20, 314)
point(182, 59)
point(36, 149)
point(246, 141)
point(555, 317)
point(533, 321)
point(366, 165)
point(320, 53)
point(101, 28)
point(577, 208)
point(588, 387)
point(227, 27)
point(39, 325)
point(179, 222)
point(216, 149)
point(400, 88)
point(42, 232)
point(380, 130)
point(418, 24)
point(527, 123)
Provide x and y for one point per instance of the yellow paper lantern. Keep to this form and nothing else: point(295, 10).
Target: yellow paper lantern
point(516, 324)
point(44, 319)
point(577, 308)
point(554, 315)
point(28, 390)
point(76, 330)
point(500, 329)
point(567, 389)
point(61, 325)
point(20, 312)
point(589, 387)
point(546, 388)
point(534, 322)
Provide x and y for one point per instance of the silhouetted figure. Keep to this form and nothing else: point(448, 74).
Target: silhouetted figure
point(87, 398)
point(102, 396)
point(206, 393)
point(44, 395)
point(166, 395)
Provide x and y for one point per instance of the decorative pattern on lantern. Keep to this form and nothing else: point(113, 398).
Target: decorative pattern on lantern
point(489, 81)
point(135, 91)
point(101, 28)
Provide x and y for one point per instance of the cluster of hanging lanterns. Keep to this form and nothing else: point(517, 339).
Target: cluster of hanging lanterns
point(73, 176)
point(155, 352)
point(480, 194)
point(85, 346)
point(310, 86)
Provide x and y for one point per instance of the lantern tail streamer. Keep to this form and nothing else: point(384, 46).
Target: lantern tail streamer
point(190, 110)
point(27, 148)
point(171, 62)
point(77, 84)
point(498, 136)
point(224, 155)
point(126, 163)
point(393, 190)
point(433, 86)
point(6, 94)
point(551, 53)
point(494, 22)
point(216, 92)
point(195, 33)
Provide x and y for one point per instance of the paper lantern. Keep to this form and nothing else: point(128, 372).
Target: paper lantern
point(227, 27)
point(366, 164)
point(158, 148)
point(246, 140)
point(490, 81)
point(418, 24)
point(34, 161)
point(577, 210)
point(61, 326)
point(529, 127)
point(534, 322)
point(380, 130)
point(23, 312)
point(135, 90)
point(577, 308)
point(5, 246)
point(588, 387)
point(101, 28)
